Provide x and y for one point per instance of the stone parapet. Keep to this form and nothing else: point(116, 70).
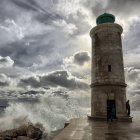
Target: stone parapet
point(103, 27)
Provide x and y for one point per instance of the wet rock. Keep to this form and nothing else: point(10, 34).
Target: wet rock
point(23, 138)
point(33, 132)
point(8, 134)
point(26, 132)
point(21, 131)
point(7, 138)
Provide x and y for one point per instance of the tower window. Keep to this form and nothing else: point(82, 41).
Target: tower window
point(109, 68)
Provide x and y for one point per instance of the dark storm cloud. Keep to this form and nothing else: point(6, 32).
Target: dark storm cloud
point(3, 103)
point(25, 55)
point(32, 81)
point(62, 78)
point(46, 43)
point(132, 74)
point(131, 43)
point(80, 22)
point(23, 6)
point(131, 40)
point(27, 100)
point(6, 62)
point(22, 94)
point(61, 94)
point(19, 55)
point(31, 92)
point(57, 78)
point(3, 84)
point(3, 60)
point(96, 7)
point(23, 52)
point(117, 7)
point(47, 16)
point(41, 14)
point(133, 80)
point(9, 9)
point(40, 48)
point(4, 11)
point(27, 5)
point(124, 6)
point(81, 57)
point(4, 80)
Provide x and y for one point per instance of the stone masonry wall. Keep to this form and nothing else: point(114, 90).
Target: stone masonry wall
point(107, 84)
point(107, 50)
point(100, 95)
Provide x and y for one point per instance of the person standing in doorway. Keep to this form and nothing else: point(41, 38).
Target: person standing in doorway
point(109, 114)
point(128, 108)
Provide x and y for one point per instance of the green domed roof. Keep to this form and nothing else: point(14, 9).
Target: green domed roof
point(105, 18)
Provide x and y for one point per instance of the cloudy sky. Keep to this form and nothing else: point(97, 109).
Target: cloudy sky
point(45, 57)
point(45, 45)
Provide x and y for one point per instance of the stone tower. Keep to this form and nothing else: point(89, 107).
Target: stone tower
point(108, 86)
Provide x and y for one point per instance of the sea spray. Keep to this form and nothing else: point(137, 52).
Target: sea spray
point(52, 110)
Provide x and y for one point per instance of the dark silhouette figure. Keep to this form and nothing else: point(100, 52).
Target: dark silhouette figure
point(113, 112)
point(128, 108)
point(109, 113)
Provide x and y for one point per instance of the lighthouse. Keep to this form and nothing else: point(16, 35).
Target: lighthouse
point(108, 87)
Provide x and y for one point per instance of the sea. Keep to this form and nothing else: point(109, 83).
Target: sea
point(51, 112)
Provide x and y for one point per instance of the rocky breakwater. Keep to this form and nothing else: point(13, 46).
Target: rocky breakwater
point(26, 132)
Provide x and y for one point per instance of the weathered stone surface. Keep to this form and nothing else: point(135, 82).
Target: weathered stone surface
point(7, 138)
point(23, 138)
point(29, 132)
point(107, 84)
point(33, 132)
point(9, 133)
point(83, 129)
point(21, 131)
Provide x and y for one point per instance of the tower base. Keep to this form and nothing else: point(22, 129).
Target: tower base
point(120, 119)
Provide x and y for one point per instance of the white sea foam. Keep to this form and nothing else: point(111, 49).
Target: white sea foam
point(52, 111)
